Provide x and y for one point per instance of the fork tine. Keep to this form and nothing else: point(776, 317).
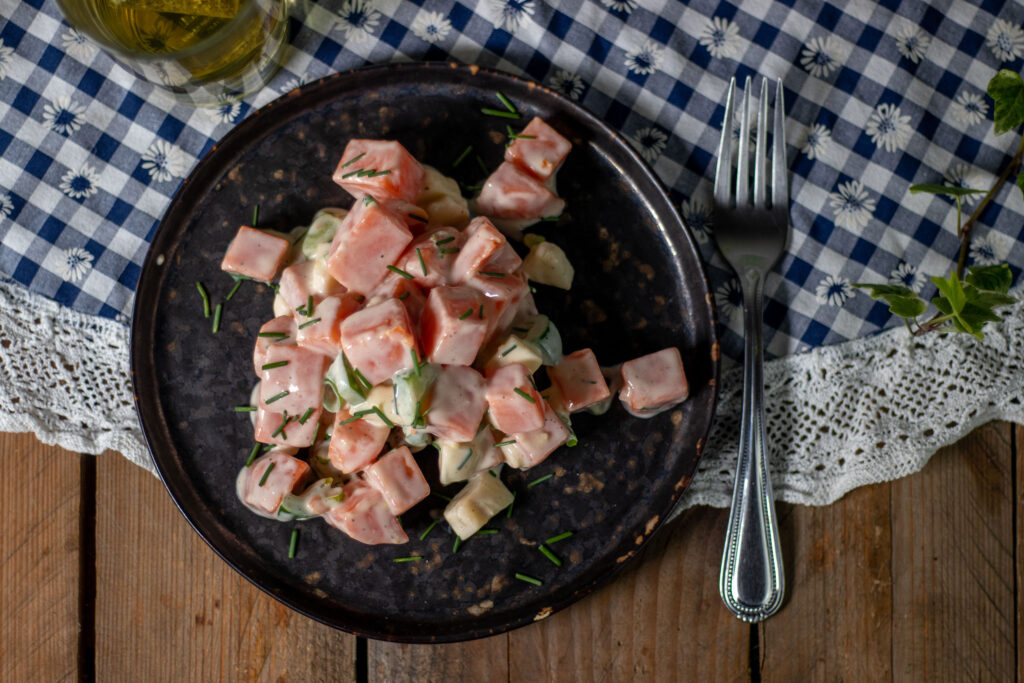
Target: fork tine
point(760, 160)
point(780, 184)
point(743, 153)
point(723, 171)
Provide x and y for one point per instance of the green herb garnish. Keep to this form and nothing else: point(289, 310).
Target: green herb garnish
point(273, 335)
point(505, 443)
point(421, 219)
point(306, 415)
point(492, 274)
point(423, 264)
point(429, 529)
point(469, 312)
point(410, 558)
point(271, 366)
point(277, 397)
point(508, 514)
point(216, 317)
point(293, 543)
point(529, 579)
point(255, 215)
point(560, 537)
point(525, 395)
point(509, 350)
point(266, 473)
point(444, 241)
point(245, 409)
point(499, 113)
point(550, 555)
point(353, 159)
point(539, 480)
point(306, 324)
point(465, 459)
point(486, 532)
point(238, 283)
point(252, 455)
point(455, 546)
point(398, 271)
point(462, 157)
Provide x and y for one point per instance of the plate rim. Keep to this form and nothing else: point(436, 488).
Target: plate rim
point(150, 273)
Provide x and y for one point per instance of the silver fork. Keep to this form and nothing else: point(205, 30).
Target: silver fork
point(751, 233)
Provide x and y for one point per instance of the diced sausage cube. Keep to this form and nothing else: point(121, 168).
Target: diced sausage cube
point(540, 149)
point(653, 383)
point(531, 448)
point(280, 330)
point(294, 286)
point(378, 340)
point(451, 329)
point(355, 443)
point(256, 254)
point(364, 516)
point(383, 169)
point(514, 404)
point(479, 500)
point(513, 194)
point(456, 403)
point(425, 262)
point(288, 430)
point(399, 479)
point(321, 331)
point(405, 290)
point(504, 298)
point(485, 249)
point(294, 381)
point(269, 478)
point(370, 239)
point(579, 380)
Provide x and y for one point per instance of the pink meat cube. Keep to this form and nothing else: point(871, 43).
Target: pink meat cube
point(269, 478)
point(531, 448)
point(653, 383)
point(514, 404)
point(378, 340)
point(380, 168)
point(256, 254)
point(356, 443)
point(296, 385)
point(280, 330)
point(486, 250)
point(457, 403)
point(513, 194)
point(425, 262)
point(407, 291)
point(504, 298)
point(540, 151)
point(365, 517)
point(579, 380)
point(321, 332)
point(451, 330)
point(296, 433)
point(369, 241)
point(294, 284)
point(399, 479)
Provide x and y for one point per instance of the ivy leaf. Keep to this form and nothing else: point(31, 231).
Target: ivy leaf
point(953, 290)
point(902, 300)
point(948, 190)
point(1007, 91)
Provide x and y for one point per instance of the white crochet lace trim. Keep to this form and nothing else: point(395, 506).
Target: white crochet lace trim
point(839, 417)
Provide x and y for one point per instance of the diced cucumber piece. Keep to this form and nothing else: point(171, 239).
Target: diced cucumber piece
point(322, 229)
point(410, 388)
point(343, 384)
point(544, 335)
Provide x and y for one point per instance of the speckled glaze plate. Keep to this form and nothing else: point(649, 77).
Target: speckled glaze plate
point(639, 287)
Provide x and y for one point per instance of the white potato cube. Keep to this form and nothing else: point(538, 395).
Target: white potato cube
point(482, 498)
point(547, 264)
point(515, 349)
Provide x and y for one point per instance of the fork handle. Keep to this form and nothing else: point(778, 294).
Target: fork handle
point(751, 580)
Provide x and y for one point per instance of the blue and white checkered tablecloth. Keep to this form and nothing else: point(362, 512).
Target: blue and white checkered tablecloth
point(880, 95)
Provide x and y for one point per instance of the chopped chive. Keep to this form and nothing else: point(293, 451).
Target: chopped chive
point(411, 558)
point(238, 283)
point(206, 299)
point(252, 455)
point(216, 317)
point(266, 473)
point(403, 295)
point(473, 188)
point(505, 443)
point(429, 529)
point(525, 395)
point(278, 397)
point(293, 543)
point(309, 306)
point(399, 271)
point(421, 219)
point(354, 159)
point(306, 324)
point(273, 335)
point(245, 409)
point(446, 240)
point(271, 366)
point(550, 555)
point(351, 419)
point(362, 413)
point(453, 250)
point(469, 312)
point(363, 172)
point(508, 514)
point(383, 417)
point(465, 460)
point(494, 474)
point(280, 430)
point(481, 164)
point(560, 537)
point(499, 113)
point(351, 173)
point(529, 579)
point(377, 173)
point(423, 264)
point(455, 547)
point(533, 383)
point(362, 378)
point(306, 415)
point(507, 102)
point(486, 532)
point(441, 496)
point(368, 199)
point(550, 218)
point(481, 313)
point(539, 480)
point(524, 137)
point(509, 350)
point(462, 157)
point(490, 274)
point(255, 215)
point(415, 362)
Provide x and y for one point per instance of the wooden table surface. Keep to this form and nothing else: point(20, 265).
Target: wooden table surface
point(102, 578)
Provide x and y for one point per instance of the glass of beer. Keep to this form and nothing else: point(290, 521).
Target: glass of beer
point(205, 52)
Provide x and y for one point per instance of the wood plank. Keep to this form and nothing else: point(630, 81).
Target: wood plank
point(39, 560)
point(836, 623)
point(480, 661)
point(661, 620)
point(953, 565)
point(169, 609)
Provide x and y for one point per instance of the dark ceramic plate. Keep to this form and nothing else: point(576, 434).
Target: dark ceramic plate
point(639, 287)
